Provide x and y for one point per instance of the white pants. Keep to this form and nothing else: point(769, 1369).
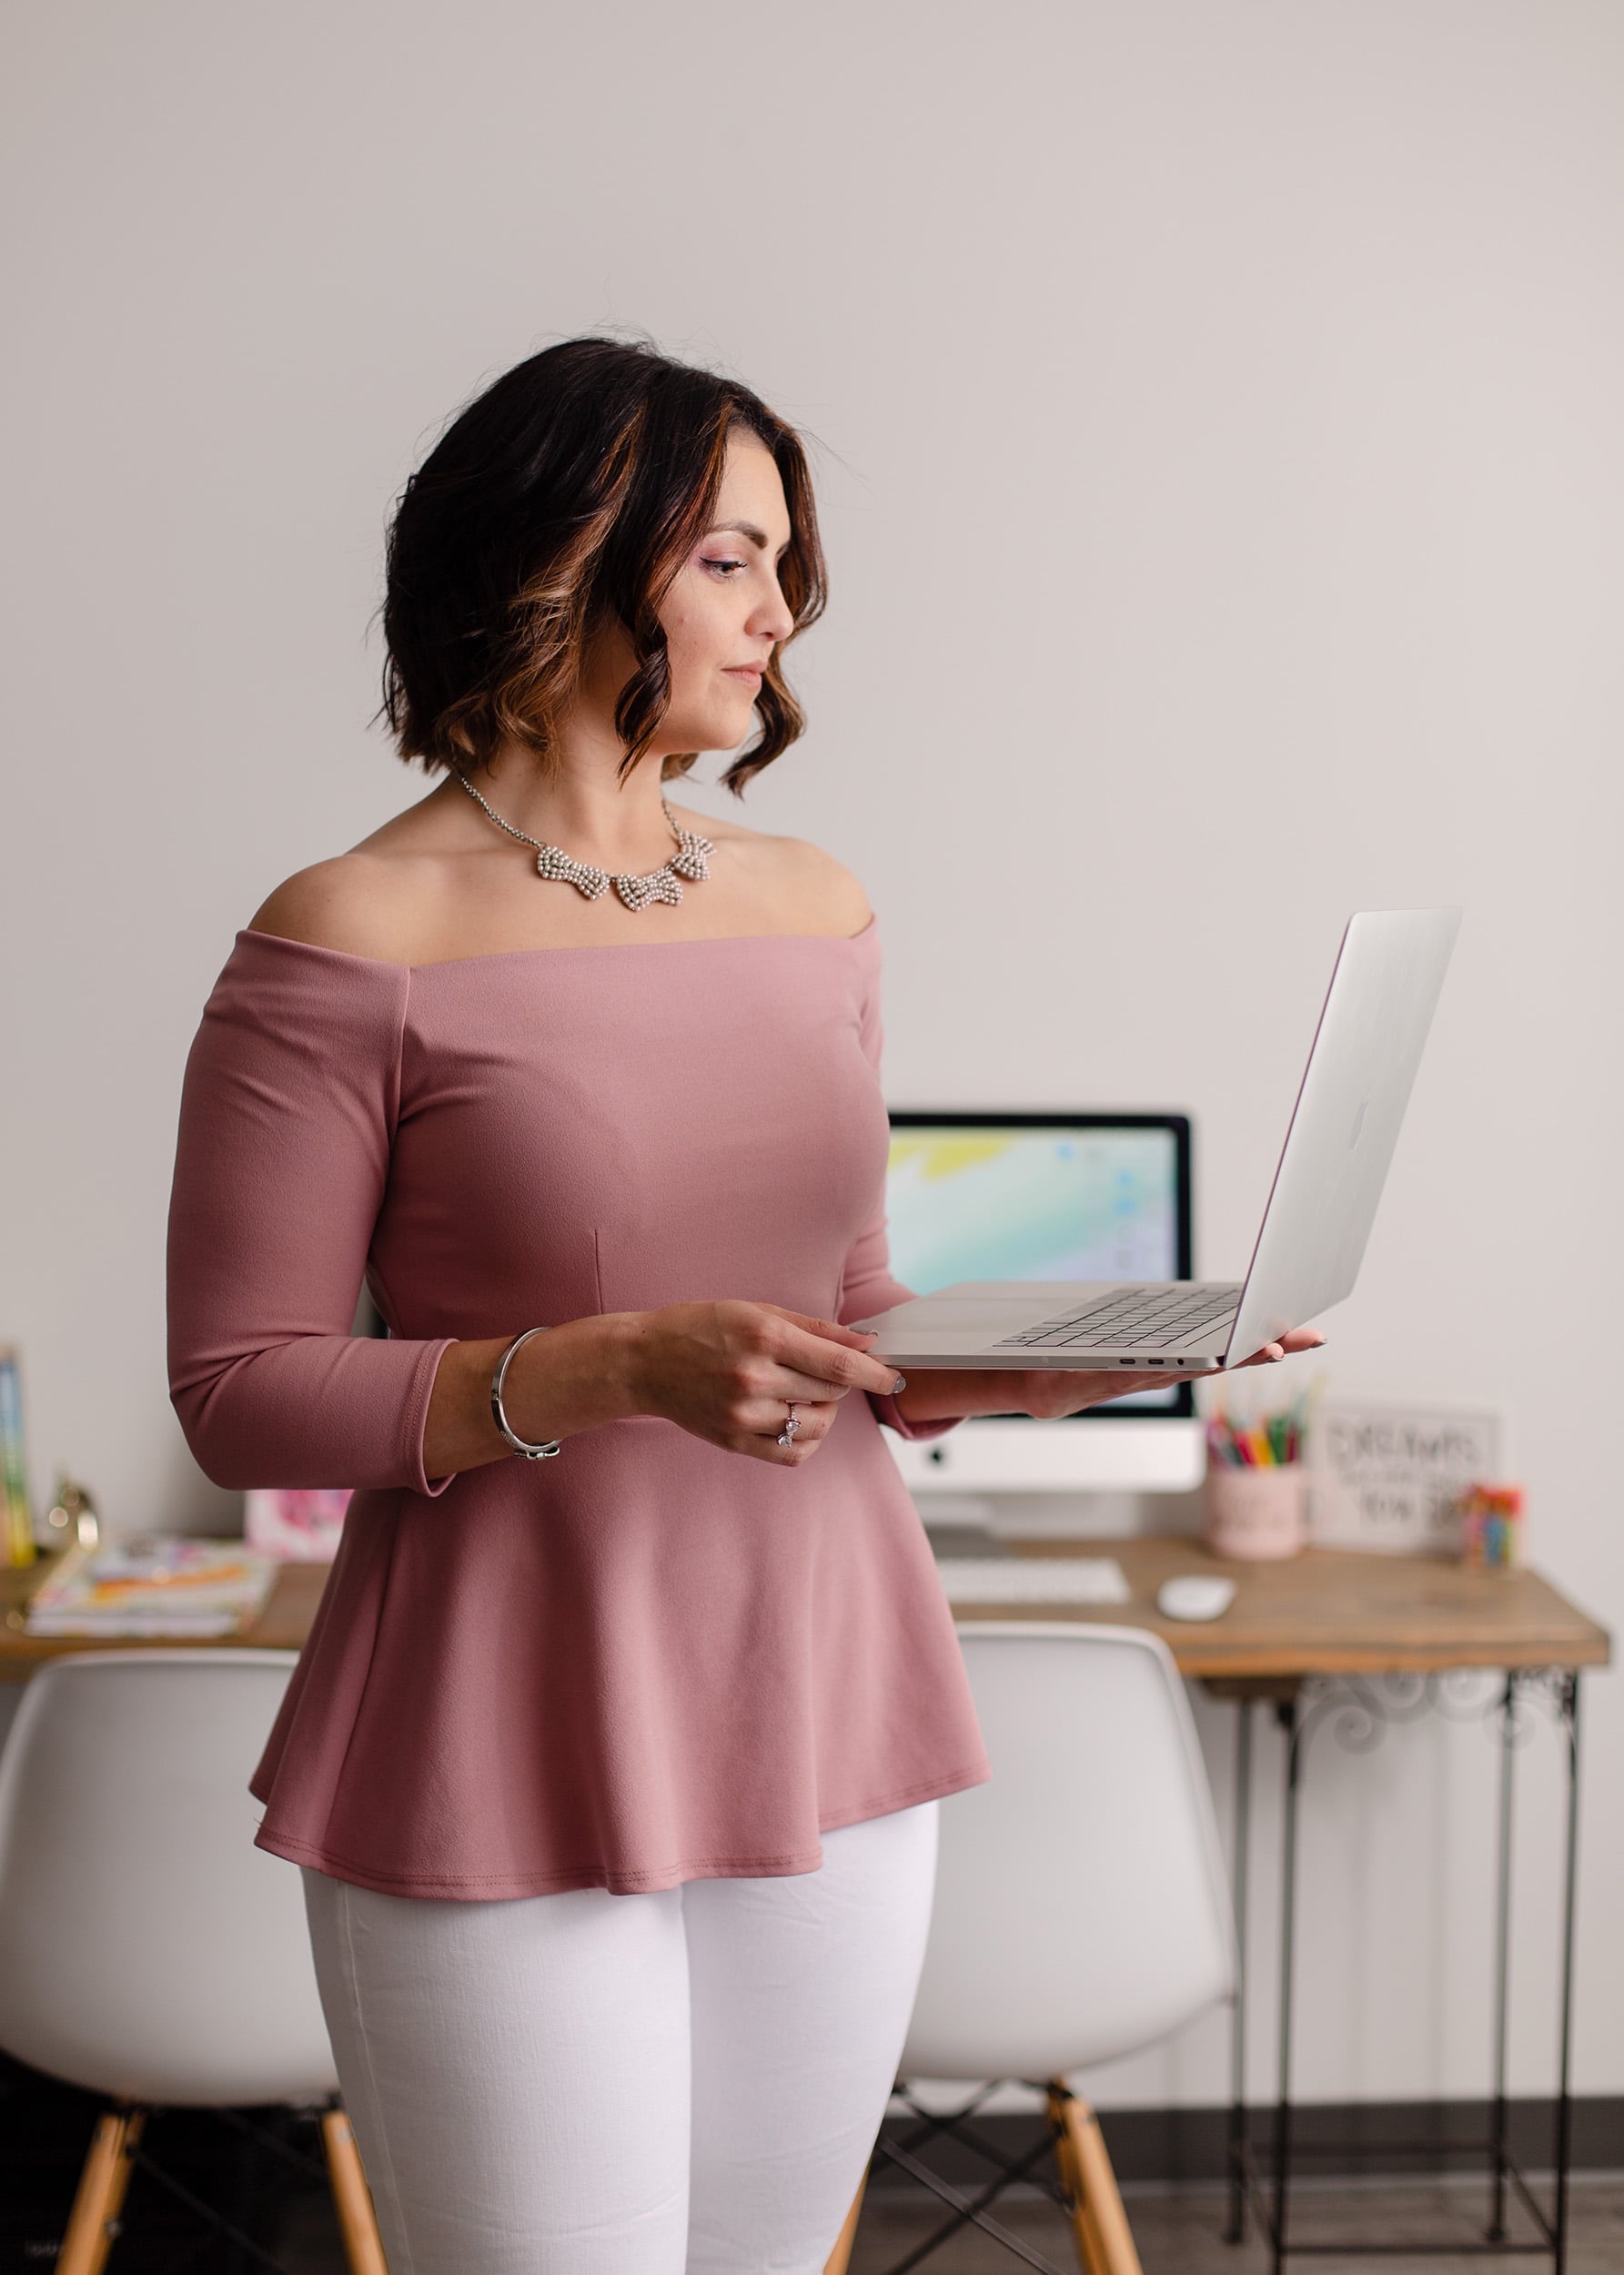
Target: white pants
point(589, 2084)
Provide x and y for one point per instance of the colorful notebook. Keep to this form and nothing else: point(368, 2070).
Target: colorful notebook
point(154, 1584)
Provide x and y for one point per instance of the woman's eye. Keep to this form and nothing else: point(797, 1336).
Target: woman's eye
point(727, 567)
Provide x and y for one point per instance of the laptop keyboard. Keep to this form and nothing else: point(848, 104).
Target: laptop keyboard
point(1131, 1318)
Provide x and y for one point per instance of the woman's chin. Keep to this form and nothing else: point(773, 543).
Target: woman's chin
point(720, 727)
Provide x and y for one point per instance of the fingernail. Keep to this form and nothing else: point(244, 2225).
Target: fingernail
point(900, 1384)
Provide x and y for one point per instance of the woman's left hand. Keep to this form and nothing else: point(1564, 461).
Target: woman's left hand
point(1047, 1393)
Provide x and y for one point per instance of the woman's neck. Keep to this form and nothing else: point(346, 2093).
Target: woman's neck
point(582, 804)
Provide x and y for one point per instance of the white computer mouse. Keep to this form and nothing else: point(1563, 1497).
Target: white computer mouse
point(1194, 1595)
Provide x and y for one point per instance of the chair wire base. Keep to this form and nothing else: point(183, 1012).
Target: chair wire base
point(971, 2209)
point(139, 2160)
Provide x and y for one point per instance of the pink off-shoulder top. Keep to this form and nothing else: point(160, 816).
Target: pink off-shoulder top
point(647, 1660)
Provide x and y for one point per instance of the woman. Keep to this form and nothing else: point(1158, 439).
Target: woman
point(612, 1759)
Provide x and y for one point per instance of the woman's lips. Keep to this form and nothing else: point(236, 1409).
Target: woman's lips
point(742, 671)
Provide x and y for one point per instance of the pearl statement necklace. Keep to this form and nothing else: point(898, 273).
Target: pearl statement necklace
point(691, 859)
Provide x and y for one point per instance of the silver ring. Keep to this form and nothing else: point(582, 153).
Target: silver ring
point(786, 1436)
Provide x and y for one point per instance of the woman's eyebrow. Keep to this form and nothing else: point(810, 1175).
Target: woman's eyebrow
point(748, 529)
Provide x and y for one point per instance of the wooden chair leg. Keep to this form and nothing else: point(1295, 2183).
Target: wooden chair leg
point(840, 2259)
point(100, 2199)
point(357, 2222)
point(1104, 2240)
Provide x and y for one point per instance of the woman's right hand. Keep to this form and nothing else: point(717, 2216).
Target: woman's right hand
point(727, 1371)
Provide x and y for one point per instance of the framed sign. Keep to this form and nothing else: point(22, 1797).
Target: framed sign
point(1388, 1477)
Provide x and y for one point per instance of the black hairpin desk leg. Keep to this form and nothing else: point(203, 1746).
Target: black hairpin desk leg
point(1556, 1690)
point(1561, 1689)
point(1568, 1703)
point(1237, 2230)
point(1502, 1963)
point(1285, 1715)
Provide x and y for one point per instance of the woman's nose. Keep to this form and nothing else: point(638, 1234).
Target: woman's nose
point(772, 617)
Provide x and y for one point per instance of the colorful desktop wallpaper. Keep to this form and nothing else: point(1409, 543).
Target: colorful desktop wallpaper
point(1033, 1204)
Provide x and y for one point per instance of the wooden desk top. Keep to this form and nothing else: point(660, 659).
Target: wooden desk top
point(282, 1626)
point(1327, 1611)
point(1333, 1612)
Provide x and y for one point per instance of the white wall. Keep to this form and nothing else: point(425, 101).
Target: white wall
point(1223, 484)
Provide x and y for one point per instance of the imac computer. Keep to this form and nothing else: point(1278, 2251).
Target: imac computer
point(978, 1196)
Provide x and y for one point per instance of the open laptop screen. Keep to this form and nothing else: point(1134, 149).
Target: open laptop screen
point(977, 1196)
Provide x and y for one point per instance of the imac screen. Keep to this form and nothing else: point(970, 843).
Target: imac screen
point(1055, 1203)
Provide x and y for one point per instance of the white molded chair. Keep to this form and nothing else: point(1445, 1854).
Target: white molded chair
point(1082, 1908)
point(147, 1950)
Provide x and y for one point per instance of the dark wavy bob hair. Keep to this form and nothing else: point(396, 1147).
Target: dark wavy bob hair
point(566, 497)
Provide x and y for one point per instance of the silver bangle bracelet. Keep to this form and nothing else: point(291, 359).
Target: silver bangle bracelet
point(540, 1452)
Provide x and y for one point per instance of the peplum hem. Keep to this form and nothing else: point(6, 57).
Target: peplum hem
point(502, 1887)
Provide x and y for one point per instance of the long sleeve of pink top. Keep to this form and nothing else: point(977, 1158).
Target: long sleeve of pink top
point(647, 1660)
point(291, 1102)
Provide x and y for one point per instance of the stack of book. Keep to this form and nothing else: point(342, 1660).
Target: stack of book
point(154, 1584)
point(16, 1521)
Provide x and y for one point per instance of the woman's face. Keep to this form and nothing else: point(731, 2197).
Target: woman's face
point(725, 613)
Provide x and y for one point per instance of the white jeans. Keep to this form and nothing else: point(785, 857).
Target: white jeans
point(589, 2084)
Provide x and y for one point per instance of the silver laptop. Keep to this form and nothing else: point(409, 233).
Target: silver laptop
point(1384, 990)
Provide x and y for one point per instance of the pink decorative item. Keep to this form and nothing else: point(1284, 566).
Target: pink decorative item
point(1258, 1514)
point(298, 1525)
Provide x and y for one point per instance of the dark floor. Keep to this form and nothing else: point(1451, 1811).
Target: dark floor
point(1181, 2233)
point(1177, 2234)
point(261, 2171)
point(273, 2189)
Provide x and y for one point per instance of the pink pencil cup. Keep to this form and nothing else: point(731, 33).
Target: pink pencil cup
point(1258, 1514)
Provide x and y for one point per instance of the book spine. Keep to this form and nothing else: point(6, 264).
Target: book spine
point(18, 1538)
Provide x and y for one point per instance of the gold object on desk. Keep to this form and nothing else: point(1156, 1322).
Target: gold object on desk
point(71, 1519)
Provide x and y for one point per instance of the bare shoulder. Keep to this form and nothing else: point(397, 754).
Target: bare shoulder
point(357, 904)
point(824, 887)
point(383, 899)
point(809, 889)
